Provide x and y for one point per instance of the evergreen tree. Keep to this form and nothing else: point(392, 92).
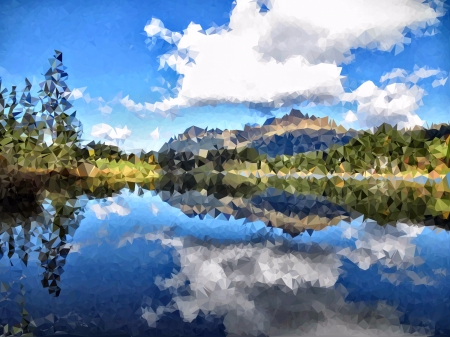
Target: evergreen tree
point(39, 132)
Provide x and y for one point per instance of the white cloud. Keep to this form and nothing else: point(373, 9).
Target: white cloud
point(396, 73)
point(77, 93)
point(421, 73)
point(418, 74)
point(112, 134)
point(437, 83)
point(106, 109)
point(285, 56)
point(155, 28)
point(155, 134)
point(326, 31)
point(395, 104)
point(350, 117)
point(136, 108)
point(395, 101)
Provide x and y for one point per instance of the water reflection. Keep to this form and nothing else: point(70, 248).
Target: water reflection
point(386, 199)
point(293, 213)
point(38, 219)
point(130, 263)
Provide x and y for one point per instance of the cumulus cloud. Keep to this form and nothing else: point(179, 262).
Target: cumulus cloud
point(286, 55)
point(395, 100)
point(112, 135)
point(395, 104)
point(327, 31)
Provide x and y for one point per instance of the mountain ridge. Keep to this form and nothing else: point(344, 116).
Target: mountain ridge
point(289, 134)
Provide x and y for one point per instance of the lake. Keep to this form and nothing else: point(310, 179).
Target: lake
point(136, 264)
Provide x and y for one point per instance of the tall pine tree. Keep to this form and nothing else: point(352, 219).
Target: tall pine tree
point(40, 132)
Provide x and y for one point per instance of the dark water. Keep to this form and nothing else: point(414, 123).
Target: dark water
point(141, 263)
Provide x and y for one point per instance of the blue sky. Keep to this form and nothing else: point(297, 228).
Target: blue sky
point(270, 60)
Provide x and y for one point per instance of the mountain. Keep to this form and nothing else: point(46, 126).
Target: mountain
point(290, 134)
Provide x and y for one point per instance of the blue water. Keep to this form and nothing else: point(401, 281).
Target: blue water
point(138, 266)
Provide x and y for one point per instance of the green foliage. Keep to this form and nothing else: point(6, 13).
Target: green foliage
point(95, 151)
point(387, 150)
point(39, 132)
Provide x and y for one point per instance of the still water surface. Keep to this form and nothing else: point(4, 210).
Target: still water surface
point(139, 266)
